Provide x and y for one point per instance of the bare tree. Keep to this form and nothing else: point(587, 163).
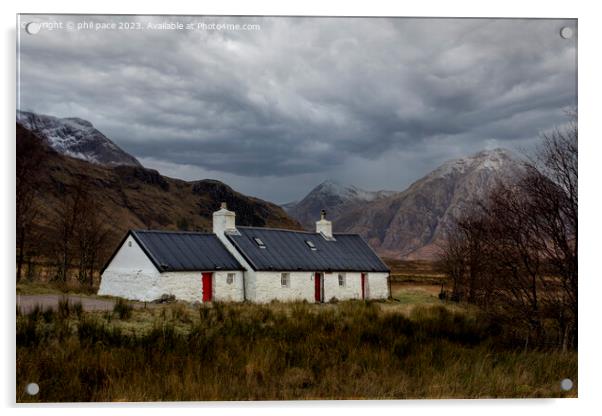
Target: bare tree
point(516, 254)
point(90, 234)
point(515, 259)
point(452, 262)
point(552, 179)
point(81, 234)
point(464, 257)
point(30, 156)
point(67, 212)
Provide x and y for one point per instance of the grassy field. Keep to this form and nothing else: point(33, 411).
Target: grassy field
point(414, 271)
point(53, 288)
point(363, 350)
point(412, 346)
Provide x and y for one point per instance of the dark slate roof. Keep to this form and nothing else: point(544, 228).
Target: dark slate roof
point(184, 251)
point(288, 250)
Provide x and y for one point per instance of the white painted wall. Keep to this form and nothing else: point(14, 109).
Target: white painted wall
point(130, 256)
point(132, 275)
point(134, 285)
point(249, 275)
point(301, 286)
point(352, 288)
point(377, 286)
point(188, 286)
point(268, 287)
point(224, 292)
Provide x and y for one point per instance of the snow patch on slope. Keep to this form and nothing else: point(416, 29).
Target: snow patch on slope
point(348, 192)
point(494, 160)
point(76, 138)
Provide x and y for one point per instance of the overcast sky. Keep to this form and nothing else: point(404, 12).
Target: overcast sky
point(376, 102)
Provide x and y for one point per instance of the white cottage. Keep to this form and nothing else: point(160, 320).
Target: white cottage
point(190, 266)
point(246, 263)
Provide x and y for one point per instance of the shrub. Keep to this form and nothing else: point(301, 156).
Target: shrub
point(108, 316)
point(402, 347)
point(35, 312)
point(64, 308)
point(78, 309)
point(48, 315)
point(123, 309)
point(179, 312)
point(27, 332)
point(91, 331)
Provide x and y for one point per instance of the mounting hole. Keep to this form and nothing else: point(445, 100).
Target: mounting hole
point(33, 28)
point(566, 32)
point(566, 384)
point(32, 389)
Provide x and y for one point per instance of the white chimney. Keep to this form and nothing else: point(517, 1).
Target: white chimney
point(223, 220)
point(324, 226)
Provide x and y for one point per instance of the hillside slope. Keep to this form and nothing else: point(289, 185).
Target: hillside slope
point(136, 197)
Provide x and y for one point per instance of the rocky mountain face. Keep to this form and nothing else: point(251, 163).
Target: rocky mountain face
point(412, 224)
point(76, 138)
point(332, 196)
point(133, 197)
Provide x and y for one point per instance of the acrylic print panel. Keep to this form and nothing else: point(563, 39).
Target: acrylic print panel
point(283, 208)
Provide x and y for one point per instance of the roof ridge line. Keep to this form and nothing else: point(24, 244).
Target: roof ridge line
point(173, 232)
point(289, 230)
point(277, 229)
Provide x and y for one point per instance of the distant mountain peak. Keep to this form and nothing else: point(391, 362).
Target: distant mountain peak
point(332, 187)
point(498, 151)
point(411, 223)
point(76, 137)
point(79, 121)
point(329, 182)
point(333, 196)
point(494, 159)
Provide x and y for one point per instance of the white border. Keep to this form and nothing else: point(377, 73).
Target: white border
point(590, 154)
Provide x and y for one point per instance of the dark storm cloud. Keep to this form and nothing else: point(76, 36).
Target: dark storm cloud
point(306, 96)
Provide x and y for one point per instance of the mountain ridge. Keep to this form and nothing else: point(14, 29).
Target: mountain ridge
point(332, 196)
point(77, 138)
point(411, 224)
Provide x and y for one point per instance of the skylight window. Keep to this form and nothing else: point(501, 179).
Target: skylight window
point(259, 242)
point(311, 244)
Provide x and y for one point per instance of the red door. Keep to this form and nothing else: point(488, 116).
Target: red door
point(363, 286)
point(207, 287)
point(318, 287)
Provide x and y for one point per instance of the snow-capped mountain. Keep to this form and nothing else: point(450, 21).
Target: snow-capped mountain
point(489, 160)
point(77, 138)
point(413, 223)
point(348, 192)
point(332, 196)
